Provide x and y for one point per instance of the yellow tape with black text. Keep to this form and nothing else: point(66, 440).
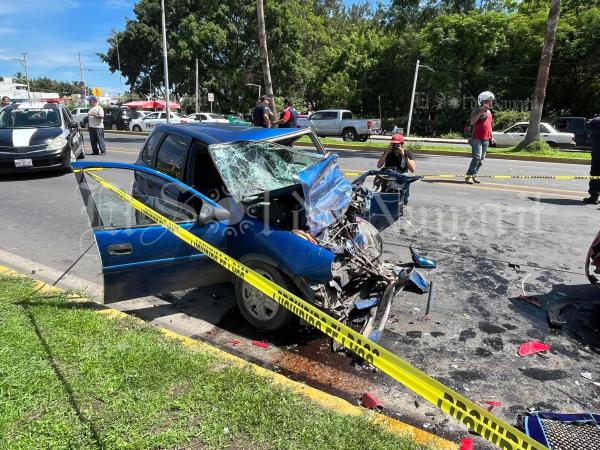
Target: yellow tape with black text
point(470, 414)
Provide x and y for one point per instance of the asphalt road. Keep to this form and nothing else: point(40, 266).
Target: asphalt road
point(493, 242)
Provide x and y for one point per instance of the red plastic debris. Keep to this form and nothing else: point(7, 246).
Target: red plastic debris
point(234, 341)
point(466, 444)
point(531, 347)
point(369, 401)
point(493, 403)
point(261, 344)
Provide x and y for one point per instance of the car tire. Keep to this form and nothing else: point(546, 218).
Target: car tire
point(552, 144)
point(114, 126)
point(349, 134)
point(137, 128)
point(259, 310)
point(363, 137)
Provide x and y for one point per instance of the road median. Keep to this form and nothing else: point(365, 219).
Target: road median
point(81, 375)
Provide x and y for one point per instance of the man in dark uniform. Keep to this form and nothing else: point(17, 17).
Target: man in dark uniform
point(594, 189)
point(260, 113)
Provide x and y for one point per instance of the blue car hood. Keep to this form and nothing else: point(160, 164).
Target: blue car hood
point(327, 194)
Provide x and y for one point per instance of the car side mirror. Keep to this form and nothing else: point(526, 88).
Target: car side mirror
point(73, 125)
point(209, 212)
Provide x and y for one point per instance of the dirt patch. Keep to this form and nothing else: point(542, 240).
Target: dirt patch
point(544, 374)
point(490, 328)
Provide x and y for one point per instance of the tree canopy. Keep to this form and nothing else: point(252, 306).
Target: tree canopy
point(326, 54)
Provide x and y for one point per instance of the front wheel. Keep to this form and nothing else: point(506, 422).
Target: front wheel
point(114, 126)
point(349, 134)
point(363, 137)
point(137, 128)
point(553, 144)
point(260, 311)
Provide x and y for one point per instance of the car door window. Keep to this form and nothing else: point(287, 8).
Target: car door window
point(346, 115)
point(330, 115)
point(317, 116)
point(151, 146)
point(544, 129)
point(151, 116)
point(172, 155)
point(203, 117)
point(162, 116)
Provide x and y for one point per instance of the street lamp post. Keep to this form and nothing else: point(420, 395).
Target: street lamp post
point(257, 85)
point(412, 98)
point(119, 64)
point(165, 62)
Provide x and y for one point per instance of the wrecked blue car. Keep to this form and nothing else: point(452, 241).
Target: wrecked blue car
point(280, 206)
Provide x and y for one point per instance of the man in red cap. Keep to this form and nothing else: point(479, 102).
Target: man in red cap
point(398, 159)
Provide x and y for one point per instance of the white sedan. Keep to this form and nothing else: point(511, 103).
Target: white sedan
point(207, 118)
point(149, 121)
point(516, 133)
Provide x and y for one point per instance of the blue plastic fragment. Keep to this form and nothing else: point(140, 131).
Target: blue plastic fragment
point(375, 335)
point(368, 303)
point(421, 261)
point(418, 280)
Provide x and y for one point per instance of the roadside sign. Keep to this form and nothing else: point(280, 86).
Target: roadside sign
point(211, 97)
point(97, 92)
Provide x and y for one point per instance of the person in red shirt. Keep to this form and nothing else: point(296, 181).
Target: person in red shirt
point(289, 116)
point(481, 135)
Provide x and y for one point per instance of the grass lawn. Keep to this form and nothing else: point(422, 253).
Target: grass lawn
point(424, 147)
point(71, 378)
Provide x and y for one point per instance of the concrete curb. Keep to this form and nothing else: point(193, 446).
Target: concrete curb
point(321, 398)
point(419, 152)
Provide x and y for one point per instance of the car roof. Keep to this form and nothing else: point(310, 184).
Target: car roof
point(214, 133)
point(527, 123)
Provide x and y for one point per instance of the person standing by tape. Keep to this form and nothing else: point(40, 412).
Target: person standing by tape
point(594, 186)
point(481, 136)
point(96, 126)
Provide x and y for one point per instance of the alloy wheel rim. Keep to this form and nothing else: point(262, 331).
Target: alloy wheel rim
point(258, 304)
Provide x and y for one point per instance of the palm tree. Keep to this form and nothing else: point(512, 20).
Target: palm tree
point(264, 54)
point(19, 77)
point(539, 95)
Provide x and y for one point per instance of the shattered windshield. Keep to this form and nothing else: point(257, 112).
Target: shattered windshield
point(250, 168)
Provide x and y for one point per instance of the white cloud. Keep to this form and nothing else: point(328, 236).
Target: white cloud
point(11, 7)
point(118, 3)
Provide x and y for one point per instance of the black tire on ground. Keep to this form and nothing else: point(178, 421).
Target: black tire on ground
point(114, 126)
point(363, 137)
point(349, 134)
point(137, 128)
point(552, 144)
point(259, 310)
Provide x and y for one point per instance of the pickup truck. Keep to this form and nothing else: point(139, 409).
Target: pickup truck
point(339, 122)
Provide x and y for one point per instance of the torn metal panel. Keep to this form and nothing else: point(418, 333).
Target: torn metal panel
point(327, 194)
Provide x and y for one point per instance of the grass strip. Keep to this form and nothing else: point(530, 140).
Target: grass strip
point(424, 147)
point(73, 379)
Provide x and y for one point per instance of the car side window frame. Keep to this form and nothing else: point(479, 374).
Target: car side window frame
point(161, 138)
point(183, 170)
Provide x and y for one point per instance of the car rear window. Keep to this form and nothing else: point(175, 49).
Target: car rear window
point(172, 155)
point(151, 147)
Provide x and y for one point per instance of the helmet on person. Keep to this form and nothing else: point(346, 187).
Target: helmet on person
point(485, 96)
point(397, 139)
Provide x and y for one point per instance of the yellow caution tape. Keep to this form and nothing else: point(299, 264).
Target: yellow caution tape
point(514, 177)
point(470, 414)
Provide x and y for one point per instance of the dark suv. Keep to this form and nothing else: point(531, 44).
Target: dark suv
point(115, 118)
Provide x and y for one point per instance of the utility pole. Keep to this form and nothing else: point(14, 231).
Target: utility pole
point(197, 106)
point(24, 64)
point(412, 98)
point(264, 54)
point(165, 61)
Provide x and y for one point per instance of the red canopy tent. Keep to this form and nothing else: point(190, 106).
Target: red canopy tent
point(151, 104)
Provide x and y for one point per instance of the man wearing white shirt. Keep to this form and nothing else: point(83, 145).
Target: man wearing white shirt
point(96, 126)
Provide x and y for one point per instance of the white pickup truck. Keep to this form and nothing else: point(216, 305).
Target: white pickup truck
point(339, 122)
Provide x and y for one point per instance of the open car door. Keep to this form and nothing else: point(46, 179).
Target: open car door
point(140, 257)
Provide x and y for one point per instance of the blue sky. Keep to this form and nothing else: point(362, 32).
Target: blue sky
point(53, 32)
